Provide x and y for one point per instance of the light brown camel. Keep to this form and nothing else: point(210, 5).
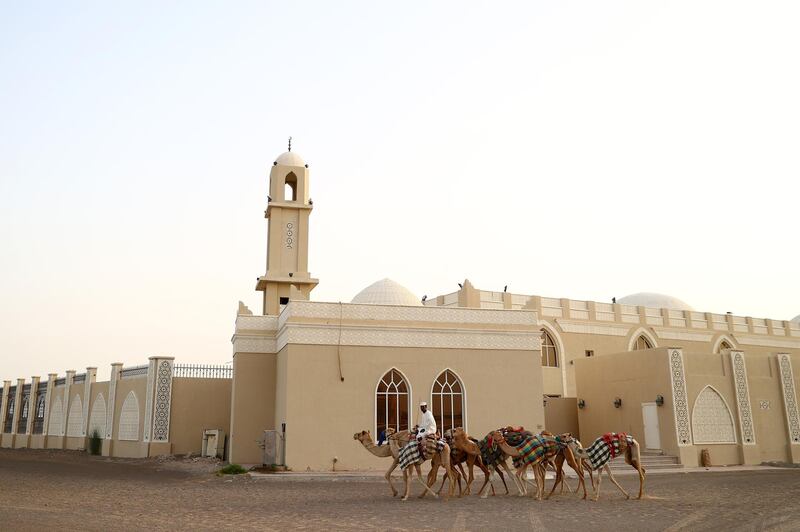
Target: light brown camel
point(383, 451)
point(462, 452)
point(578, 465)
point(462, 441)
point(531, 460)
point(441, 458)
point(627, 445)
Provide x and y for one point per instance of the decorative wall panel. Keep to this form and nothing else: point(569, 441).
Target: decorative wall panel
point(129, 418)
point(789, 398)
point(163, 399)
point(743, 398)
point(712, 421)
point(75, 418)
point(56, 415)
point(679, 399)
point(97, 419)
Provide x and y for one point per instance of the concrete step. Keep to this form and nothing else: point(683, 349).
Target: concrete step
point(649, 461)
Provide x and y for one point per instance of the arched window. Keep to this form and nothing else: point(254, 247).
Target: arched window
point(392, 400)
point(56, 418)
point(549, 351)
point(9, 421)
point(642, 343)
point(448, 401)
point(129, 419)
point(38, 418)
point(290, 188)
point(75, 418)
point(712, 421)
point(724, 347)
point(97, 418)
point(22, 423)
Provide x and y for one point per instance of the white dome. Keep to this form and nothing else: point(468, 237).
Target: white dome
point(290, 158)
point(387, 292)
point(653, 300)
point(796, 319)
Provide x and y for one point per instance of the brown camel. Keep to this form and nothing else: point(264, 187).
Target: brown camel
point(525, 461)
point(578, 465)
point(441, 458)
point(383, 451)
point(463, 442)
point(625, 444)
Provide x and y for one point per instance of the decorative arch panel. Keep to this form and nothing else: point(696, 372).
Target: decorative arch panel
point(712, 421)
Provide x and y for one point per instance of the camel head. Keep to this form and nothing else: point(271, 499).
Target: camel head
point(497, 436)
point(362, 436)
point(459, 433)
point(389, 431)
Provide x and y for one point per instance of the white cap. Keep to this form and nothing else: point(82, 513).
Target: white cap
point(423, 403)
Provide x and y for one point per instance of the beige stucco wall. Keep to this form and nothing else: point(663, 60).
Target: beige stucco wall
point(197, 404)
point(252, 405)
point(635, 377)
point(130, 449)
point(561, 415)
point(317, 402)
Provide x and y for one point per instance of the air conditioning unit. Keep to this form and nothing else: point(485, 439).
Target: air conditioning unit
point(214, 443)
point(273, 448)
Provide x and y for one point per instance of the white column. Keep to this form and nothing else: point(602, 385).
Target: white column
point(116, 367)
point(91, 376)
point(148, 399)
point(32, 398)
point(51, 381)
point(17, 405)
point(4, 406)
point(67, 403)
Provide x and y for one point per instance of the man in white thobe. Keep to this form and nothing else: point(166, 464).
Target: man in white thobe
point(426, 424)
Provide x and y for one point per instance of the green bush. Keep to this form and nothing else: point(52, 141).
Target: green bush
point(233, 469)
point(95, 443)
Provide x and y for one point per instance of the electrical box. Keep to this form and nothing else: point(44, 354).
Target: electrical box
point(273, 448)
point(214, 443)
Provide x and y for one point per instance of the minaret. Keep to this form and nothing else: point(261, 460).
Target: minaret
point(288, 209)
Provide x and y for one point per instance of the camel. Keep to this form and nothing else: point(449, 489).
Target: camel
point(381, 452)
point(603, 450)
point(579, 465)
point(531, 459)
point(441, 458)
point(470, 447)
point(494, 456)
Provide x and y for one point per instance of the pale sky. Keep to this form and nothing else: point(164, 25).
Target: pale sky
point(566, 149)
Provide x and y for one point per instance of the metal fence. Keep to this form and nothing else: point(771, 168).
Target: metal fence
point(62, 381)
point(134, 371)
point(79, 378)
point(203, 371)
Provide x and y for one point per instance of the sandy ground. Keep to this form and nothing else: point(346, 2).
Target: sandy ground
point(75, 492)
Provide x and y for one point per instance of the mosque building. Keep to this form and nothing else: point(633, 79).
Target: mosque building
point(306, 375)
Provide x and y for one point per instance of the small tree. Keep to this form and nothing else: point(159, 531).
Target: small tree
point(95, 443)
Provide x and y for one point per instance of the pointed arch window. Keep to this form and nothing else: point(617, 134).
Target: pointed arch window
point(38, 418)
point(9, 421)
point(549, 351)
point(712, 421)
point(642, 343)
point(392, 400)
point(22, 423)
point(724, 347)
point(448, 401)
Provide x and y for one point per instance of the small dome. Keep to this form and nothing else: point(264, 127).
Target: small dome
point(387, 292)
point(796, 319)
point(290, 158)
point(653, 300)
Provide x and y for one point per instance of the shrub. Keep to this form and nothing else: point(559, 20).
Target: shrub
point(95, 443)
point(233, 469)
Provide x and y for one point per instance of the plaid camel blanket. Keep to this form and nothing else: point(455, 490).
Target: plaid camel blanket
point(410, 454)
point(606, 447)
point(534, 449)
point(491, 453)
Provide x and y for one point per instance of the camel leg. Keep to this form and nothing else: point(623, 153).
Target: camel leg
point(460, 473)
point(406, 474)
point(487, 475)
point(389, 477)
point(559, 474)
point(502, 477)
point(470, 479)
point(539, 474)
point(520, 487)
point(611, 476)
point(424, 485)
point(599, 478)
point(634, 459)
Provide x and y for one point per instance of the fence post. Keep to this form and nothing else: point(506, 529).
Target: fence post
point(3, 407)
point(161, 396)
point(108, 443)
point(33, 396)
